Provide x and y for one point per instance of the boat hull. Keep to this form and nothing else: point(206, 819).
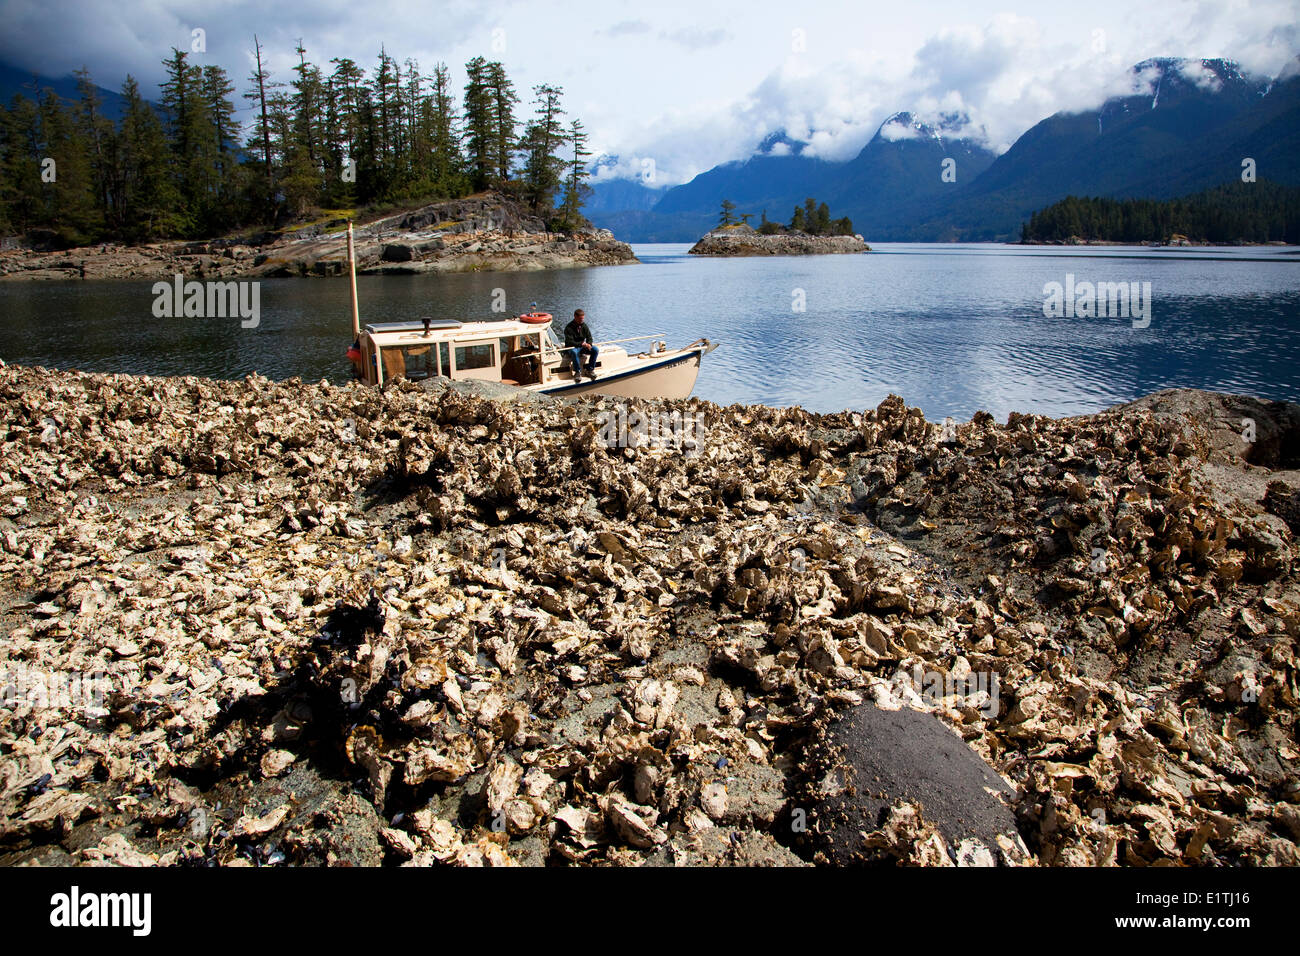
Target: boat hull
point(672, 376)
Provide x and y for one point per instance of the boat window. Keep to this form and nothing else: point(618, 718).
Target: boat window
point(444, 367)
point(475, 356)
point(419, 361)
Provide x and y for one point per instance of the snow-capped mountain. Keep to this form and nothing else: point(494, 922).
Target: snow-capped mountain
point(1172, 80)
point(908, 126)
point(1181, 125)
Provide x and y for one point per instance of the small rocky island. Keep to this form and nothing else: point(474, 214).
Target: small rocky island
point(744, 240)
point(486, 232)
point(811, 232)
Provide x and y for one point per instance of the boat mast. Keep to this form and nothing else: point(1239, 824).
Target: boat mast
point(352, 278)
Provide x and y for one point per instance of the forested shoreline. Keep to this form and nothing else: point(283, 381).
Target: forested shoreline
point(346, 139)
point(1234, 213)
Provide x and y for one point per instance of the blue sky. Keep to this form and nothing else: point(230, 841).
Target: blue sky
point(689, 84)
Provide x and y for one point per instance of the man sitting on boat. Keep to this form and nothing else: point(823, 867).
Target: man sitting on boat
point(577, 339)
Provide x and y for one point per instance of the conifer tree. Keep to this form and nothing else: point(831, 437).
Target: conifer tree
point(68, 205)
point(150, 199)
point(479, 123)
point(97, 133)
point(503, 100)
point(543, 169)
point(260, 143)
point(726, 218)
point(20, 174)
point(444, 136)
point(575, 184)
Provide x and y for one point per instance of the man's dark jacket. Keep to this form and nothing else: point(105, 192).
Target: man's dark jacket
point(575, 334)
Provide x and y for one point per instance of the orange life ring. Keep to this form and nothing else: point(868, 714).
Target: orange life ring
point(537, 318)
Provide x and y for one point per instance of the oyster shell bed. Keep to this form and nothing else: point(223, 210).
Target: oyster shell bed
point(415, 626)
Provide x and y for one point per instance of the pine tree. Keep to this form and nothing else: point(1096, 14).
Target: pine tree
point(479, 123)
point(575, 185)
point(384, 88)
point(444, 137)
point(543, 169)
point(261, 141)
point(215, 92)
point(98, 133)
point(503, 100)
point(20, 174)
point(810, 216)
point(823, 220)
point(190, 136)
point(726, 218)
point(343, 130)
point(308, 106)
point(150, 201)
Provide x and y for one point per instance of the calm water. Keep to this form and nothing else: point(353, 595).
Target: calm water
point(951, 328)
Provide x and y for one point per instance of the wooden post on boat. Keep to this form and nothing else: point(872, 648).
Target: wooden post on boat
point(352, 278)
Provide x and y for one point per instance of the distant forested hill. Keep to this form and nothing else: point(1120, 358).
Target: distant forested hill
point(1237, 212)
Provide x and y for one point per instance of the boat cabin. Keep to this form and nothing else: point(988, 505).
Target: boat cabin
point(513, 352)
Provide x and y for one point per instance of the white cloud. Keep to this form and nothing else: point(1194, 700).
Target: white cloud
point(894, 132)
point(1196, 72)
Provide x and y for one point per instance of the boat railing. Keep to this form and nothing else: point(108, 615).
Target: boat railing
point(635, 338)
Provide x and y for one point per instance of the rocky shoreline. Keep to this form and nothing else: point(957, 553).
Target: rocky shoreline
point(481, 233)
point(1175, 242)
point(744, 240)
point(419, 626)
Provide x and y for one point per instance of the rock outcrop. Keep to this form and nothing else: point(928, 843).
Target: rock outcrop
point(479, 233)
point(744, 240)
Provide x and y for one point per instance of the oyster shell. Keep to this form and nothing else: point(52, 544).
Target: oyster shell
point(519, 644)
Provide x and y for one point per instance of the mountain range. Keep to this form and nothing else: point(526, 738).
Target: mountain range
point(1187, 125)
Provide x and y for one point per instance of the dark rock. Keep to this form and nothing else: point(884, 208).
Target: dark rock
point(1283, 501)
point(397, 252)
point(866, 762)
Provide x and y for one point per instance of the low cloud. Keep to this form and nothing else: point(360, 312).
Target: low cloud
point(1196, 72)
